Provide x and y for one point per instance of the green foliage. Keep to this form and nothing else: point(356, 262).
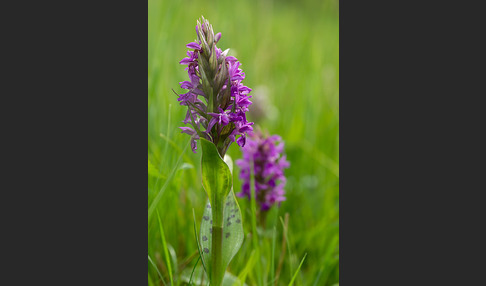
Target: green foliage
point(222, 215)
point(256, 245)
point(297, 271)
point(233, 234)
point(216, 177)
point(166, 250)
point(289, 51)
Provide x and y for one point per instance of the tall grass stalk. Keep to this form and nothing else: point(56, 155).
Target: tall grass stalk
point(254, 233)
point(166, 251)
point(297, 271)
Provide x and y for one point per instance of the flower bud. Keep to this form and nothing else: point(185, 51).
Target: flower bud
point(217, 37)
point(210, 37)
point(221, 78)
point(213, 62)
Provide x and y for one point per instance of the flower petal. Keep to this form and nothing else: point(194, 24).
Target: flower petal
point(193, 45)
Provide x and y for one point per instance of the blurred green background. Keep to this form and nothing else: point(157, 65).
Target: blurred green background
point(289, 51)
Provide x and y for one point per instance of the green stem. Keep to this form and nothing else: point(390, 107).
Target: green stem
point(217, 270)
point(210, 103)
point(254, 234)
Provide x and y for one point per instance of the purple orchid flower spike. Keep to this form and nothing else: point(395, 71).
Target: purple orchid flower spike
point(266, 152)
point(216, 99)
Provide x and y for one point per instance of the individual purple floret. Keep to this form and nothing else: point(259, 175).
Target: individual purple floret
point(270, 162)
point(216, 99)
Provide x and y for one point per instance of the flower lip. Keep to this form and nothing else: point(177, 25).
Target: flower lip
point(193, 45)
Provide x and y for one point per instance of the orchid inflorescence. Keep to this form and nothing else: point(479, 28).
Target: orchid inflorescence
point(266, 153)
point(217, 103)
point(216, 78)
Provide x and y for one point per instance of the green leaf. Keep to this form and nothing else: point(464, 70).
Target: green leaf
point(217, 180)
point(229, 162)
point(158, 272)
point(233, 233)
point(250, 264)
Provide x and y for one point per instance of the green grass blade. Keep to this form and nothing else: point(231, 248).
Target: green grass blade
point(285, 232)
point(166, 250)
point(248, 267)
point(323, 271)
point(161, 191)
point(158, 272)
point(197, 241)
point(175, 263)
point(194, 268)
point(318, 276)
point(167, 143)
point(272, 260)
point(168, 129)
point(297, 271)
point(253, 225)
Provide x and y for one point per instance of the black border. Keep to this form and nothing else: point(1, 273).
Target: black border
point(409, 128)
point(75, 205)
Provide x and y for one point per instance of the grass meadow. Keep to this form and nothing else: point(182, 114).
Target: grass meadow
point(289, 51)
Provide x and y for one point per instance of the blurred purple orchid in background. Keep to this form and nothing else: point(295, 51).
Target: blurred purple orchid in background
point(266, 153)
